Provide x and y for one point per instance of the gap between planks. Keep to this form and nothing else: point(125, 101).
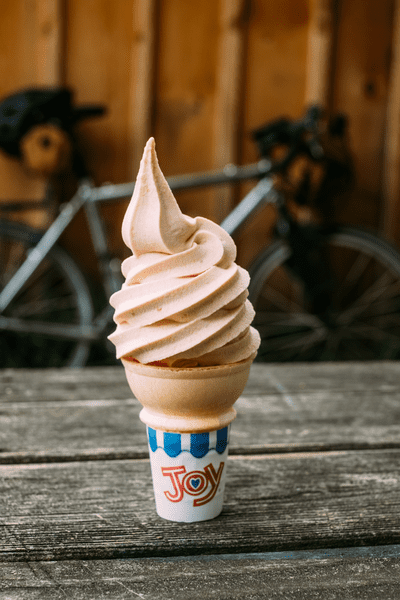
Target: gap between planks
point(245, 453)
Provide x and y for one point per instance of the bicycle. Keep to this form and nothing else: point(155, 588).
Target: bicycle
point(322, 292)
point(46, 308)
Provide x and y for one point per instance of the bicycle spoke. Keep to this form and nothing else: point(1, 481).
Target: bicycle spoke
point(279, 300)
point(16, 255)
point(293, 340)
point(374, 334)
point(357, 269)
point(46, 295)
point(45, 306)
point(389, 318)
point(276, 320)
point(366, 299)
point(48, 322)
point(385, 321)
point(363, 318)
point(331, 346)
point(48, 329)
point(354, 351)
point(312, 341)
point(391, 292)
point(382, 307)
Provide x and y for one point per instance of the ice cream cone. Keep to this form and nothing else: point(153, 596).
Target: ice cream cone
point(188, 412)
point(184, 301)
point(187, 400)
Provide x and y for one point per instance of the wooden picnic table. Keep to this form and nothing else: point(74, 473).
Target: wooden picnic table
point(312, 502)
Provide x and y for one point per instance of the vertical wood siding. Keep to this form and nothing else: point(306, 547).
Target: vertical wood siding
point(199, 76)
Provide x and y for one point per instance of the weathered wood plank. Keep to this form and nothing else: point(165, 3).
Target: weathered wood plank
point(232, 19)
point(274, 86)
point(273, 503)
point(74, 415)
point(360, 89)
point(329, 376)
point(19, 69)
point(185, 94)
point(63, 384)
point(111, 429)
point(141, 90)
point(391, 149)
point(91, 383)
point(320, 52)
point(49, 42)
point(371, 573)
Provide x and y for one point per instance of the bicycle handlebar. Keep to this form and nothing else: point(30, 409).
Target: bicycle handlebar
point(292, 134)
point(229, 174)
point(283, 130)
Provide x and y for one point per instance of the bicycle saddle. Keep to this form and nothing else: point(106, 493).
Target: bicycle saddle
point(31, 107)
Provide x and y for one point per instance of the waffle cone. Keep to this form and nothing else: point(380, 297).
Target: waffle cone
point(187, 400)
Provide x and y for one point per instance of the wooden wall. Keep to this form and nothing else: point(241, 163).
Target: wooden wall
point(199, 76)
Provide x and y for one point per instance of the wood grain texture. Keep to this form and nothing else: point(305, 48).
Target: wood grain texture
point(360, 89)
point(76, 415)
point(321, 33)
point(50, 39)
point(18, 69)
point(274, 86)
point(391, 158)
point(371, 573)
point(302, 524)
point(185, 93)
point(109, 383)
point(231, 56)
point(98, 67)
point(201, 85)
point(105, 509)
point(142, 79)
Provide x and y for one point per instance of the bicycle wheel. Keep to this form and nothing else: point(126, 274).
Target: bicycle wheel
point(55, 295)
point(363, 316)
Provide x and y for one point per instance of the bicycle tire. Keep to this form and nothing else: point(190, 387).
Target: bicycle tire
point(364, 306)
point(56, 293)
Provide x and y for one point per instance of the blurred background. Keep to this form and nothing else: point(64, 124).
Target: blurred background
point(199, 77)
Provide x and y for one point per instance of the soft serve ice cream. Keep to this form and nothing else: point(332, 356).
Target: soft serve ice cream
point(185, 340)
point(184, 300)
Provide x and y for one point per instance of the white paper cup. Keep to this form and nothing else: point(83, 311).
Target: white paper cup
point(189, 471)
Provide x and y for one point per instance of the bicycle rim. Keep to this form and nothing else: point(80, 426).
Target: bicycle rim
point(363, 313)
point(56, 294)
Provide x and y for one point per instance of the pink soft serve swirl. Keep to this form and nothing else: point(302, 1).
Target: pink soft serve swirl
point(183, 302)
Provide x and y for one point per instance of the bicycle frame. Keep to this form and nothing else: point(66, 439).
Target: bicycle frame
point(87, 197)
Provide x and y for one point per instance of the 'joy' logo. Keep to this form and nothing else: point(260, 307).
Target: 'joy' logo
point(194, 483)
